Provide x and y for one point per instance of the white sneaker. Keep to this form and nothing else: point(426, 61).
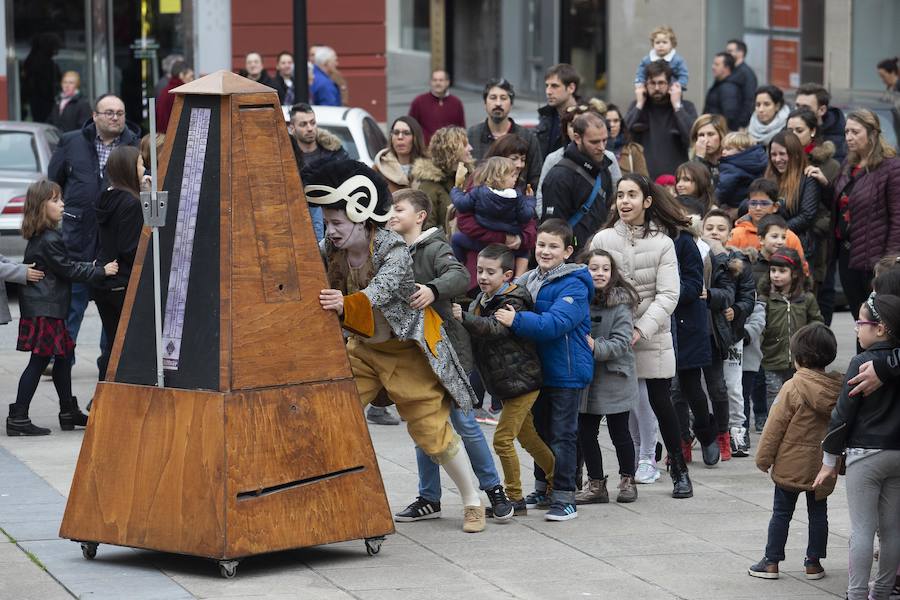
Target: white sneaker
point(646, 472)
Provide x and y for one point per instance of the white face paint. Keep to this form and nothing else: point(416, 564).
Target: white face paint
point(342, 232)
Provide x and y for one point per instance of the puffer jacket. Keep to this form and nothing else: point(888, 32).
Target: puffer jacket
point(560, 324)
point(436, 184)
point(874, 213)
point(614, 388)
point(871, 421)
point(651, 266)
point(50, 296)
point(737, 172)
point(691, 317)
point(435, 266)
point(509, 365)
point(798, 421)
point(387, 165)
point(784, 316)
point(720, 295)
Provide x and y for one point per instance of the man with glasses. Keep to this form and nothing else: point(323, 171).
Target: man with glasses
point(438, 107)
point(660, 120)
point(560, 84)
point(499, 96)
point(78, 165)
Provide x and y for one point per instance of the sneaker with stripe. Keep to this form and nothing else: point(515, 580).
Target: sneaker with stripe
point(420, 510)
point(561, 511)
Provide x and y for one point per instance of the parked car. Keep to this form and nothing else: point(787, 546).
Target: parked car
point(358, 131)
point(25, 150)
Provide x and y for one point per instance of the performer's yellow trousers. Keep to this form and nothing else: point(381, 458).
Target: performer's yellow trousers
point(403, 371)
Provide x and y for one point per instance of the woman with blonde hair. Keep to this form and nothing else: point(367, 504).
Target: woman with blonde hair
point(707, 134)
point(867, 195)
point(435, 174)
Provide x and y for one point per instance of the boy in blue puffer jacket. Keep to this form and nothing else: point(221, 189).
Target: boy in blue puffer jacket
point(559, 326)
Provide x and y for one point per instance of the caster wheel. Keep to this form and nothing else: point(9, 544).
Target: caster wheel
point(89, 550)
point(373, 545)
point(228, 568)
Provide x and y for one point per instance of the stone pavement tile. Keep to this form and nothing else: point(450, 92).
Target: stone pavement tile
point(718, 522)
point(405, 577)
point(445, 592)
point(705, 501)
point(475, 554)
point(561, 572)
point(640, 543)
point(22, 579)
point(353, 555)
point(712, 576)
point(586, 585)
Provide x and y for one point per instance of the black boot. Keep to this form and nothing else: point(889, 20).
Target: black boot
point(681, 481)
point(18, 423)
point(70, 415)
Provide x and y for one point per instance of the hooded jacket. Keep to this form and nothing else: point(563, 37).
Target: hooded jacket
point(559, 325)
point(871, 421)
point(76, 168)
point(565, 191)
point(614, 388)
point(509, 365)
point(798, 421)
point(737, 172)
point(784, 316)
point(119, 221)
point(507, 211)
point(436, 184)
point(50, 297)
point(387, 165)
point(651, 266)
point(435, 266)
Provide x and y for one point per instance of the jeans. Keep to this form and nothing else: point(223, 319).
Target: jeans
point(81, 296)
point(758, 395)
point(774, 381)
point(714, 376)
point(556, 420)
point(782, 512)
point(517, 423)
point(477, 449)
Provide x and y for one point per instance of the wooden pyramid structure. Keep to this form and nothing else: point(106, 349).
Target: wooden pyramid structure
point(257, 442)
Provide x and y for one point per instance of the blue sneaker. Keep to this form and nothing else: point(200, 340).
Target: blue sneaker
point(561, 511)
point(537, 499)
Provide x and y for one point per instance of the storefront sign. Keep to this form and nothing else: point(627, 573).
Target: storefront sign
point(784, 14)
point(784, 62)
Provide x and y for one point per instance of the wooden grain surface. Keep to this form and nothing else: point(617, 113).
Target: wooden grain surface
point(151, 471)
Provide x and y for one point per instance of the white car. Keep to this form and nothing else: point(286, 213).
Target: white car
point(358, 131)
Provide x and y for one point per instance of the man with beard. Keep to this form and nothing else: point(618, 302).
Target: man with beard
point(498, 100)
point(284, 78)
point(578, 189)
point(437, 108)
point(560, 84)
point(661, 121)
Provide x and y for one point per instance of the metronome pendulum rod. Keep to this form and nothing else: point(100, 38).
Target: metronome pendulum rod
point(154, 205)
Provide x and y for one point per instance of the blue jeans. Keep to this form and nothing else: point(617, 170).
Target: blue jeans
point(556, 420)
point(476, 447)
point(783, 511)
point(81, 297)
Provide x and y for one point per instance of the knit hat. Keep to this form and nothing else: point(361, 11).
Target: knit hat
point(351, 186)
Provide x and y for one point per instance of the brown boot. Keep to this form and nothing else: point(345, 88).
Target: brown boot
point(627, 490)
point(593, 493)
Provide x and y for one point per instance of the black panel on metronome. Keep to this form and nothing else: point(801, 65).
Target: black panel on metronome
point(189, 264)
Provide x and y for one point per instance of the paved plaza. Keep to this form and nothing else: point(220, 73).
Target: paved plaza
point(655, 549)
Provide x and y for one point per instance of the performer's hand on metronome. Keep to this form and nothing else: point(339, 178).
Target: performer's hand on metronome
point(332, 300)
point(111, 268)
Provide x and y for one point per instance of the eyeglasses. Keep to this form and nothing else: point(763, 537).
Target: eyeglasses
point(401, 133)
point(109, 114)
point(760, 203)
point(861, 323)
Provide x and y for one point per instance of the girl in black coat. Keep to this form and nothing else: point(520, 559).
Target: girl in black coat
point(43, 307)
point(799, 193)
point(119, 220)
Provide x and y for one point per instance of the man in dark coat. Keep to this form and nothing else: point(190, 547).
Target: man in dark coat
point(499, 96)
point(725, 96)
point(831, 120)
point(744, 76)
point(569, 184)
point(253, 66)
point(284, 78)
point(78, 165)
point(71, 109)
point(560, 83)
point(661, 121)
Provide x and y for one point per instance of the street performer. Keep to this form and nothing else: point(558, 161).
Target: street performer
point(391, 345)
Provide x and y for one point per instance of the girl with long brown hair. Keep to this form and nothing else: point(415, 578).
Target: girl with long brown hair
point(799, 193)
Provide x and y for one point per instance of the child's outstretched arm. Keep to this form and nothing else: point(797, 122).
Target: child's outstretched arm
point(14, 272)
point(58, 262)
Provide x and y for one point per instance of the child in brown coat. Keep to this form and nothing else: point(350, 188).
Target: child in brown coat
point(791, 447)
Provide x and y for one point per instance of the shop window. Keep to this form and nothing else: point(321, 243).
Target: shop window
point(415, 25)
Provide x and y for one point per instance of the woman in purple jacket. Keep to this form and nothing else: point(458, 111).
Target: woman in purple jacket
point(867, 198)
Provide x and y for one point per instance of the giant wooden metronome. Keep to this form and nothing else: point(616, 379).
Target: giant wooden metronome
point(256, 442)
